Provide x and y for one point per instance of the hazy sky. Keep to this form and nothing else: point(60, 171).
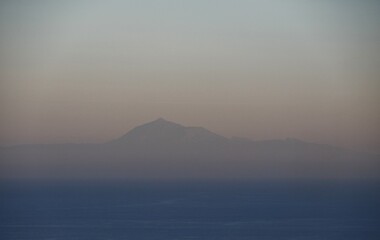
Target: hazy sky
point(89, 71)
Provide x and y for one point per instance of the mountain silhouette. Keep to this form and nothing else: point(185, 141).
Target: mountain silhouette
point(163, 134)
point(164, 149)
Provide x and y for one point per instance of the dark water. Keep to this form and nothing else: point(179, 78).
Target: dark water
point(166, 211)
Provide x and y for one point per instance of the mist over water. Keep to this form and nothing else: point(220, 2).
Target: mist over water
point(162, 149)
point(199, 119)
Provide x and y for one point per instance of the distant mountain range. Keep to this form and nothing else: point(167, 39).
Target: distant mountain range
point(164, 149)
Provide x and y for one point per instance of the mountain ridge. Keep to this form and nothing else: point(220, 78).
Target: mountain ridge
point(165, 149)
point(161, 133)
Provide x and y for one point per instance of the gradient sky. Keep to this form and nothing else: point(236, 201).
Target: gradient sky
point(89, 71)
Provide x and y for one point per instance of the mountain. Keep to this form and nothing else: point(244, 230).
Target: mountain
point(165, 135)
point(164, 149)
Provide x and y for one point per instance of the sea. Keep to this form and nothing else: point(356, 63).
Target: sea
point(187, 210)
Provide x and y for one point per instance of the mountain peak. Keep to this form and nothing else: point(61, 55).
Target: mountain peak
point(163, 132)
point(161, 122)
point(160, 119)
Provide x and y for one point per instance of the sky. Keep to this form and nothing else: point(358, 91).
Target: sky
point(89, 71)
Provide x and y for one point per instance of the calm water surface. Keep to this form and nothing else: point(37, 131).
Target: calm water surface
point(168, 211)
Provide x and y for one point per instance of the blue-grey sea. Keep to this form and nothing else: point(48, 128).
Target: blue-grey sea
point(133, 210)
